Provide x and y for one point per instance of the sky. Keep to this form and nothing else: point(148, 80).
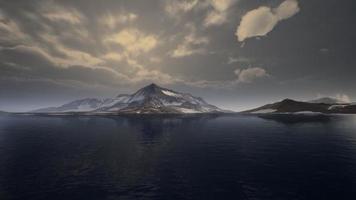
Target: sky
point(236, 54)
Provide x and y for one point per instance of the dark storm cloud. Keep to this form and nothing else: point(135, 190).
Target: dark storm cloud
point(54, 51)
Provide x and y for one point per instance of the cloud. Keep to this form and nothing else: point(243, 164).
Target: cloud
point(56, 13)
point(40, 65)
point(145, 75)
point(136, 44)
point(112, 21)
point(221, 5)
point(69, 56)
point(340, 97)
point(155, 59)
point(62, 45)
point(134, 41)
point(177, 7)
point(261, 21)
point(62, 42)
point(48, 38)
point(191, 44)
point(232, 60)
point(250, 74)
point(343, 98)
point(113, 57)
point(287, 9)
point(30, 56)
point(215, 18)
point(219, 13)
point(10, 30)
point(324, 50)
point(244, 76)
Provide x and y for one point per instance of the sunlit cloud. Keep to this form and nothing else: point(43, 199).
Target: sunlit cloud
point(250, 74)
point(177, 7)
point(113, 57)
point(215, 18)
point(218, 15)
point(113, 20)
point(221, 5)
point(56, 13)
point(191, 44)
point(340, 97)
point(70, 56)
point(134, 41)
point(261, 21)
point(343, 98)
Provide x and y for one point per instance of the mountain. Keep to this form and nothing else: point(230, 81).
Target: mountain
point(292, 106)
point(82, 105)
point(3, 112)
point(150, 99)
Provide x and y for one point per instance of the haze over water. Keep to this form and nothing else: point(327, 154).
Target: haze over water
point(178, 157)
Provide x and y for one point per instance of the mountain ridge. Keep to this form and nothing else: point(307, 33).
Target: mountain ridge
point(149, 99)
point(305, 107)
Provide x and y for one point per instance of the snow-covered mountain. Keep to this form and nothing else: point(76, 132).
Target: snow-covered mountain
point(150, 99)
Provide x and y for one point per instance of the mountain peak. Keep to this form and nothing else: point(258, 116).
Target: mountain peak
point(287, 100)
point(150, 89)
point(152, 85)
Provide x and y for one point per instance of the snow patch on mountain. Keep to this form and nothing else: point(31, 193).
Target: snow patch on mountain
point(169, 93)
point(187, 110)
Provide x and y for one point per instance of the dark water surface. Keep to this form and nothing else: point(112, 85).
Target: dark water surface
point(201, 157)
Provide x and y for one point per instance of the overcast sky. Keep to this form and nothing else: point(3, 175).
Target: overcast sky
point(236, 54)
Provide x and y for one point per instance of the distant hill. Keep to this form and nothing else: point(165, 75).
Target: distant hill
point(293, 106)
point(150, 99)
